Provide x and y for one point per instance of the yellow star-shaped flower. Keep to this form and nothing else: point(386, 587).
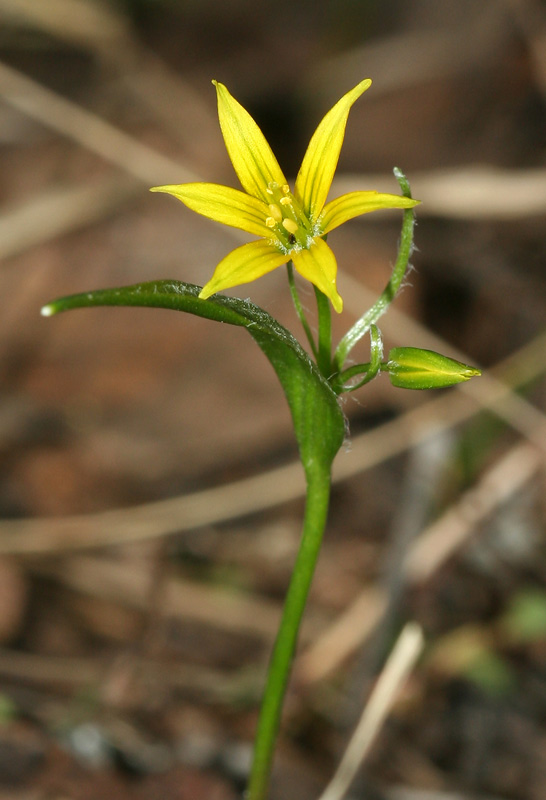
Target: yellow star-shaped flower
point(291, 225)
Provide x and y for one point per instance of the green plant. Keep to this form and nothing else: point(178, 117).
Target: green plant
point(292, 229)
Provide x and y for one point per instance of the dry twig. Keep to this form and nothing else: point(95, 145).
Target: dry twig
point(399, 665)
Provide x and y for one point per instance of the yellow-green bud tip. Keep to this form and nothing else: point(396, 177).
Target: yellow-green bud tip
point(47, 311)
point(471, 372)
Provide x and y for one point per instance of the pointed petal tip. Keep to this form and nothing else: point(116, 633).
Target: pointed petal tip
point(248, 150)
point(333, 296)
point(360, 88)
point(319, 163)
point(335, 299)
point(354, 204)
point(167, 189)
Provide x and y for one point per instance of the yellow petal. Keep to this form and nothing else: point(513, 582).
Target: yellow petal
point(320, 161)
point(222, 204)
point(250, 154)
point(351, 205)
point(245, 264)
point(318, 265)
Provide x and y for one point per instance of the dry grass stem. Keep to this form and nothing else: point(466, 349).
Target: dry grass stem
point(58, 211)
point(89, 130)
point(472, 192)
point(400, 663)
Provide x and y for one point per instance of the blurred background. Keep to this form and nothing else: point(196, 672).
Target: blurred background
point(149, 494)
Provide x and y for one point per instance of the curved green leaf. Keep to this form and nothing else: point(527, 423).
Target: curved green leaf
point(318, 421)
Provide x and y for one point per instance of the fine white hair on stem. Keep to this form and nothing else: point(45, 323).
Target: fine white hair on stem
point(400, 663)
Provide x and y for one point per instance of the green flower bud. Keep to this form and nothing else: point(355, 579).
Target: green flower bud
point(414, 368)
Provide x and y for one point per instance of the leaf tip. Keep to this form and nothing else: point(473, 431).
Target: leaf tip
point(48, 310)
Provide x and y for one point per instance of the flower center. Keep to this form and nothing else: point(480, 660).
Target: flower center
point(287, 221)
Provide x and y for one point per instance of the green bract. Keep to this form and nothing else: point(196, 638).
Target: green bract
point(414, 368)
point(291, 225)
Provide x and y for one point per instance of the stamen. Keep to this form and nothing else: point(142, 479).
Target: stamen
point(275, 212)
point(290, 225)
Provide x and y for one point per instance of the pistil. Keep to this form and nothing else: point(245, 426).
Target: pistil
point(287, 220)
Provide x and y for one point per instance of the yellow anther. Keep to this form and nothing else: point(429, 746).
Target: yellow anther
point(286, 189)
point(270, 222)
point(285, 201)
point(290, 225)
point(275, 212)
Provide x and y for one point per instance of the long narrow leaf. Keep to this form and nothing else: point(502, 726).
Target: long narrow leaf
point(317, 417)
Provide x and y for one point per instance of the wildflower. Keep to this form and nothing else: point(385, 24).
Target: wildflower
point(291, 225)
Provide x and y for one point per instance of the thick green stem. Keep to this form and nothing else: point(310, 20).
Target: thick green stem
point(316, 510)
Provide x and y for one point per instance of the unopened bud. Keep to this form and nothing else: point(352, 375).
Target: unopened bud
point(414, 368)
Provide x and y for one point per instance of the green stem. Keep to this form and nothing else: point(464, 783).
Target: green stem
point(361, 327)
point(299, 308)
point(316, 510)
point(369, 370)
point(324, 355)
